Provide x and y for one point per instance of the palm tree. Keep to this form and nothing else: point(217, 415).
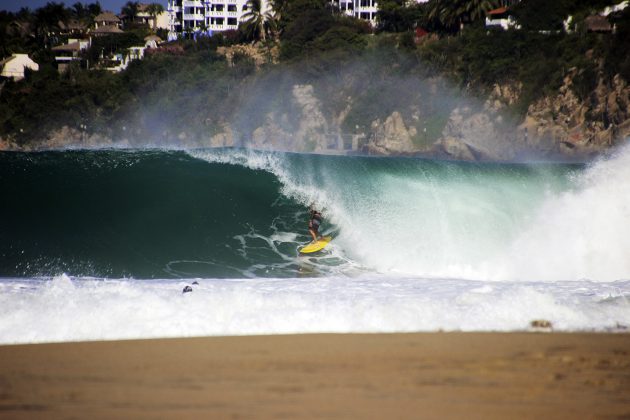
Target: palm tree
point(256, 22)
point(452, 14)
point(79, 10)
point(47, 20)
point(473, 10)
point(154, 9)
point(130, 10)
point(94, 9)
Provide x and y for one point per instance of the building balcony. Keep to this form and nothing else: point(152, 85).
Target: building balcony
point(197, 16)
point(223, 27)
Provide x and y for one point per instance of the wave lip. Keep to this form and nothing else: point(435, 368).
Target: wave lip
point(497, 222)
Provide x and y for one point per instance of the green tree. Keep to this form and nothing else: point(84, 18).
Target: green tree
point(95, 9)
point(397, 16)
point(257, 23)
point(130, 10)
point(154, 9)
point(452, 14)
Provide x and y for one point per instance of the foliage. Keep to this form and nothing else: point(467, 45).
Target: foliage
point(105, 46)
point(190, 87)
point(396, 16)
point(257, 24)
point(452, 14)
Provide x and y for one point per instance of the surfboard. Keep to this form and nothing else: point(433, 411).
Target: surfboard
point(316, 246)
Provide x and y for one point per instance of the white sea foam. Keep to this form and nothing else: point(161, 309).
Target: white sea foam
point(65, 309)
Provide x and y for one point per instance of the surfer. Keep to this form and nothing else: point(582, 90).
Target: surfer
point(313, 224)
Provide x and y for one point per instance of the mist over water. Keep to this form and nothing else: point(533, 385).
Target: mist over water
point(331, 105)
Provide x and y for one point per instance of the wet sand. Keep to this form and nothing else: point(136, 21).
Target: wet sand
point(379, 376)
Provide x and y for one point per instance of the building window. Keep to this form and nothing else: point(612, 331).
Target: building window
point(231, 8)
point(365, 16)
point(366, 3)
point(220, 21)
point(232, 21)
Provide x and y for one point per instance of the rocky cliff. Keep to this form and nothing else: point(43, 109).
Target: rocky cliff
point(562, 125)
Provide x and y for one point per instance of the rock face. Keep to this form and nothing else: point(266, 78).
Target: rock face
point(305, 130)
point(566, 124)
point(313, 128)
point(392, 136)
point(477, 135)
point(302, 119)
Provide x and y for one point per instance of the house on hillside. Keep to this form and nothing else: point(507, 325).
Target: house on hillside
point(360, 9)
point(120, 62)
point(597, 23)
point(152, 41)
point(501, 17)
point(107, 19)
point(71, 52)
point(106, 30)
point(614, 9)
point(159, 21)
point(14, 67)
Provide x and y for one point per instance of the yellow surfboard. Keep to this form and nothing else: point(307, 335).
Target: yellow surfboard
point(316, 246)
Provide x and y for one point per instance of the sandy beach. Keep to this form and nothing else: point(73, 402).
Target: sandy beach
point(426, 375)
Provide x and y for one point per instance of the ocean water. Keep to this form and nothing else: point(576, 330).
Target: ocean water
point(100, 244)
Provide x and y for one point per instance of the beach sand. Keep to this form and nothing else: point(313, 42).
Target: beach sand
point(379, 376)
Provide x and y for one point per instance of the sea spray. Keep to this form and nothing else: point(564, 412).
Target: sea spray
point(64, 309)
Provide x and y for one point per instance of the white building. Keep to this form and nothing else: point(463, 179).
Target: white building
point(365, 9)
point(205, 15)
point(65, 54)
point(13, 67)
point(501, 17)
point(222, 15)
point(360, 9)
point(120, 62)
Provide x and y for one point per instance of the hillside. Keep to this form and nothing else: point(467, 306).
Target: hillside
point(326, 84)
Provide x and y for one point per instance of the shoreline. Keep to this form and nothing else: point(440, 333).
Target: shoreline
point(408, 375)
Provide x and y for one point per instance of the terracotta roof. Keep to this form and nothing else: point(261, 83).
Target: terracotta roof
point(499, 11)
point(107, 17)
point(598, 23)
point(420, 32)
point(75, 46)
point(107, 29)
point(73, 25)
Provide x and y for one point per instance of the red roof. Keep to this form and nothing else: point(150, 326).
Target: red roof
point(499, 11)
point(420, 32)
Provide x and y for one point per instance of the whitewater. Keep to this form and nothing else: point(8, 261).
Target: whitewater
point(100, 244)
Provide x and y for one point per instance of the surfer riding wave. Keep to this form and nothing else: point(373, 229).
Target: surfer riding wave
point(314, 223)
